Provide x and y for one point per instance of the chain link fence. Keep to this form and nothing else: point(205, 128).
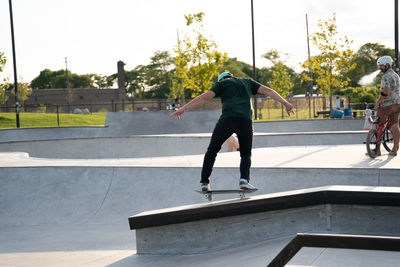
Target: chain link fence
point(264, 108)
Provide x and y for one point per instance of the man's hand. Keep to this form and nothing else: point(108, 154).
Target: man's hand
point(177, 114)
point(289, 108)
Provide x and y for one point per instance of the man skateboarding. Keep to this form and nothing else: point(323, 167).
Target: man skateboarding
point(235, 94)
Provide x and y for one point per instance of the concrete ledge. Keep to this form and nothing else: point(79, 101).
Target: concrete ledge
point(208, 227)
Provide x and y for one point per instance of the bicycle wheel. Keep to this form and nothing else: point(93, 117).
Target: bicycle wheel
point(371, 143)
point(387, 140)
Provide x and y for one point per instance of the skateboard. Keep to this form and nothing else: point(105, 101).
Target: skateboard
point(242, 193)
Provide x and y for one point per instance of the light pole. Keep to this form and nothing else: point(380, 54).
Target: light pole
point(15, 66)
point(254, 58)
point(66, 74)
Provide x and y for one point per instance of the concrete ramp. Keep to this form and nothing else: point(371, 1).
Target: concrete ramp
point(102, 191)
point(137, 146)
point(205, 228)
point(63, 212)
point(120, 124)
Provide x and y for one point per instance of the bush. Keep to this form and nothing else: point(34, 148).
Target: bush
point(359, 94)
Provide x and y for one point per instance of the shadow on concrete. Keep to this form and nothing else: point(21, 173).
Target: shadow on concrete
point(302, 156)
point(378, 162)
point(56, 238)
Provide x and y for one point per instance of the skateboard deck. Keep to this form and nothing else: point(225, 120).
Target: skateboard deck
point(242, 193)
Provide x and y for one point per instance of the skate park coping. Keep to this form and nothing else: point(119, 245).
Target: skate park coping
point(348, 195)
point(330, 209)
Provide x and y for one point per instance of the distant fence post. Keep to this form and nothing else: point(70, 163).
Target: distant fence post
point(58, 118)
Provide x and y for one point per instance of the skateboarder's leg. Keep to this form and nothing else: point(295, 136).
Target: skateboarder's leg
point(245, 136)
point(223, 129)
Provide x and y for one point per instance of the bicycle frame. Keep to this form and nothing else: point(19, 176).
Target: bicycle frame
point(381, 129)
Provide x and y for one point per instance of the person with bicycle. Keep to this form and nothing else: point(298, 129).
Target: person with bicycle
point(388, 104)
point(235, 94)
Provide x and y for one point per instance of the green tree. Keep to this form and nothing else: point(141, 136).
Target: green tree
point(331, 67)
point(23, 91)
point(136, 81)
point(237, 68)
point(159, 74)
point(366, 58)
point(4, 85)
point(360, 94)
point(48, 79)
point(281, 78)
point(197, 61)
point(101, 81)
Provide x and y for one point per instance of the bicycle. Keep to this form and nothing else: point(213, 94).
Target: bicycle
point(381, 135)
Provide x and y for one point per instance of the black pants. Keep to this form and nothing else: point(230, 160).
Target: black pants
point(223, 130)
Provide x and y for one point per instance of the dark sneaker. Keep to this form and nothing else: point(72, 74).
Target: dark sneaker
point(245, 185)
point(393, 153)
point(205, 187)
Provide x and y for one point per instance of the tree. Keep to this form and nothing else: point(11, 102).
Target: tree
point(48, 79)
point(23, 91)
point(101, 81)
point(136, 81)
point(5, 85)
point(237, 68)
point(158, 75)
point(281, 79)
point(366, 58)
point(197, 62)
point(331, 67)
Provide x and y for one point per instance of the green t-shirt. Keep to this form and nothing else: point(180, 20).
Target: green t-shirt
point(235, 94)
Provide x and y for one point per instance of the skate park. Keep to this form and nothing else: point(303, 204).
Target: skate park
point(138, 207)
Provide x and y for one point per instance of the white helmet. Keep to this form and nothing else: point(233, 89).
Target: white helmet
point(385, 60)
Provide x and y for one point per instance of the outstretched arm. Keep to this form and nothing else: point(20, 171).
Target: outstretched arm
point(277, 97)
point(197, 101)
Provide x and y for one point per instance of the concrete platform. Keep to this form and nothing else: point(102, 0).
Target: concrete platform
point(73, 212)
point(137, 146)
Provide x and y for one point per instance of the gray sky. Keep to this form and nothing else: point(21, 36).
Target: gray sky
point(95, 34)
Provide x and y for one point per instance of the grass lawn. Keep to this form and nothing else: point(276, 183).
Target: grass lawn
point(276, 115)
point(32, 120)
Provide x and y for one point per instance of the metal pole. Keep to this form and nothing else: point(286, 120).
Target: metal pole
point(58, 118)
point(15, 65)
point(66, 74)
point(181, 80)
point(254, 58)
point(309, 54)
point(396, 35)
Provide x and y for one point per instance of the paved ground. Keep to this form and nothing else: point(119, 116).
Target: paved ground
point(341, 156)
point(85, 236)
